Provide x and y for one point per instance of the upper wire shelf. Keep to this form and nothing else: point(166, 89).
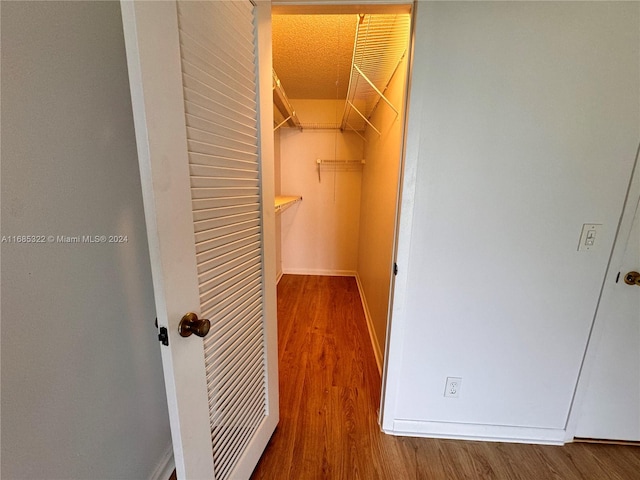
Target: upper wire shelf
point(282, 104)
point(380, 46)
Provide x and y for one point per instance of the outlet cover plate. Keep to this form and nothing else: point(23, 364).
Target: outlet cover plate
point(452, 387)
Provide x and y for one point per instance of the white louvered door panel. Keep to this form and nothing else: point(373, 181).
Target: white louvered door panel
point(195, 89)
point(221, 118)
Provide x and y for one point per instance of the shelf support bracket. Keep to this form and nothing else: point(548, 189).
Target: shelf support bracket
point(282, 123)
point(355, 131)
point(364, 118)
point(376, 89)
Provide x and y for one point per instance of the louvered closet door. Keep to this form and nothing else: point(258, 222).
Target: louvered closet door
point(193, 75)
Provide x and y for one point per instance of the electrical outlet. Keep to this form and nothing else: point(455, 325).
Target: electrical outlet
point(452, 387)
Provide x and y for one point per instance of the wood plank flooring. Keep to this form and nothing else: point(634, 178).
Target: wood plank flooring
point(330, 393)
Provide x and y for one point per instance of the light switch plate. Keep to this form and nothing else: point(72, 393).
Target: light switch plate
point(590, 237)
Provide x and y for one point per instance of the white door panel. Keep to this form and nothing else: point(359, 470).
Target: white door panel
point(611, 403)
point(195, 86)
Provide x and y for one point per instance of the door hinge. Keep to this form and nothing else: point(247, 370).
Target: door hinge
point(163, 336)
point(395, 268)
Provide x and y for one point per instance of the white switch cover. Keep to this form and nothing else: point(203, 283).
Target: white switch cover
point(590, 236)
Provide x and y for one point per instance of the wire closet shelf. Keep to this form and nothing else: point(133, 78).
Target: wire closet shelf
point(380, 46)
point(337, 164)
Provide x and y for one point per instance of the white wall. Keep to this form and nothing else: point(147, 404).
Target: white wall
point(82, 387)
point(523, 125)
point(378, 206)
point(320, 234)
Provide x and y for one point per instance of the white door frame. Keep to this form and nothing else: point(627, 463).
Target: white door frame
point(408, 150)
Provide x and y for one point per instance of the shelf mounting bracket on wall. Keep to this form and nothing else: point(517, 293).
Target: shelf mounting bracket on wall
point(363, 117)
point(376, 89)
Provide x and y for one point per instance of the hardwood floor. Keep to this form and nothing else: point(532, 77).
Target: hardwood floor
point(329, 396)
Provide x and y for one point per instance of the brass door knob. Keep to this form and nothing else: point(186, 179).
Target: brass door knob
point(632, 278)
point(190, 323)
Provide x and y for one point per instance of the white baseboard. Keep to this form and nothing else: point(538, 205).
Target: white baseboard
point(485, 433)
point(372, 332)
point(320, 272)
point(165, 466)
point(279, 277)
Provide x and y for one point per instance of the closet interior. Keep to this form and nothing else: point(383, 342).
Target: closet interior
point(339, 81)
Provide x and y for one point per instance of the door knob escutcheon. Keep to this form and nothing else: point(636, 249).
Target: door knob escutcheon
point(190, 323)
point(632, 278)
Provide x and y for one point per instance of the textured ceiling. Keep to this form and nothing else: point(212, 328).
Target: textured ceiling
point(312, 52)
